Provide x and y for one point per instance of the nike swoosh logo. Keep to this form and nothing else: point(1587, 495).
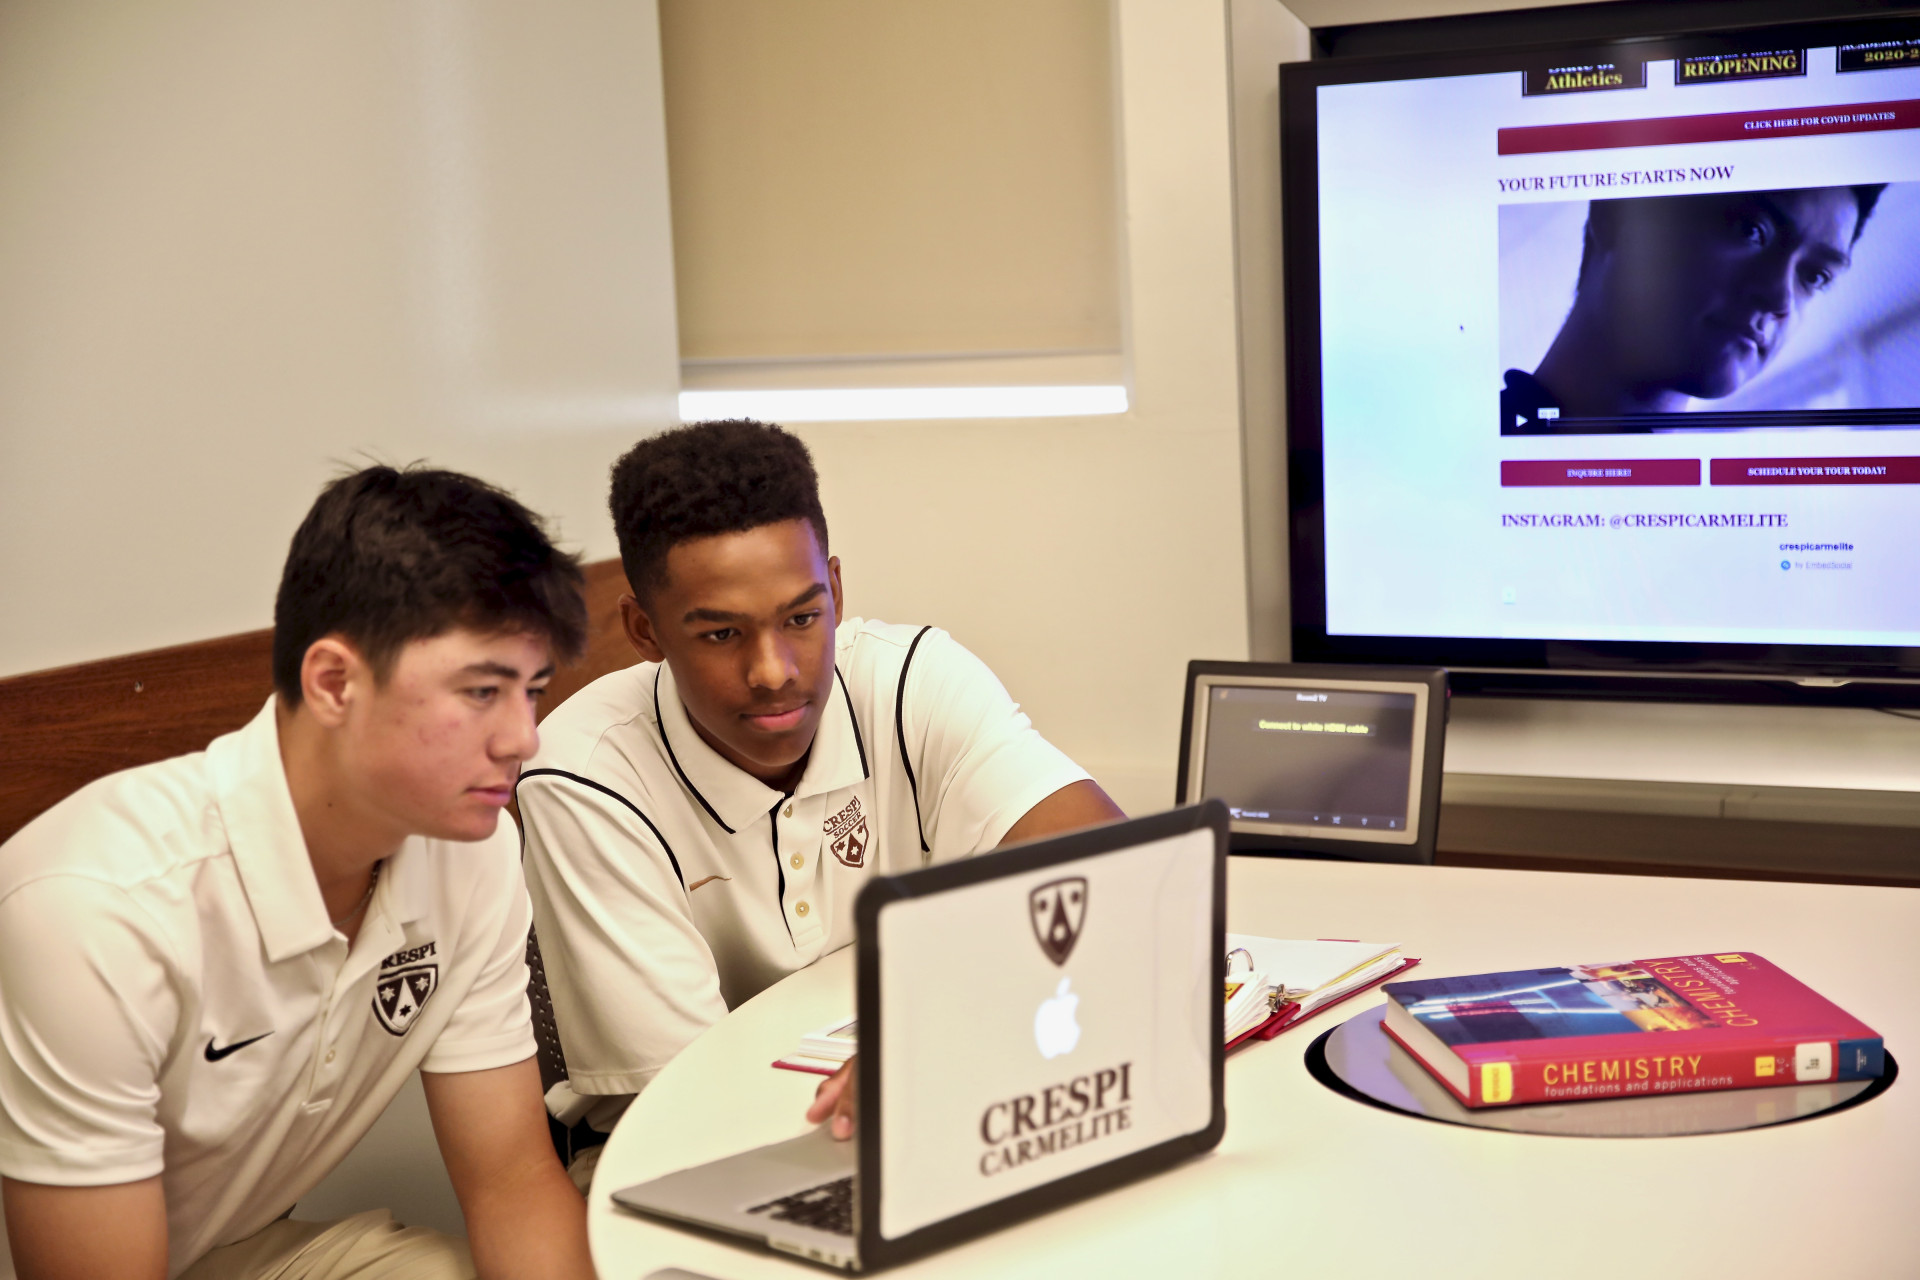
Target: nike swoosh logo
point(214, 1055)
point(697, 883)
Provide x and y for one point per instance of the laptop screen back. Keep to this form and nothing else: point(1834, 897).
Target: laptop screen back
point(1038, 1024)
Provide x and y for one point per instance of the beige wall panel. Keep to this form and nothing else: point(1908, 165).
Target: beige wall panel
point(856, 177)
point(244, 243)
point(1087, 560)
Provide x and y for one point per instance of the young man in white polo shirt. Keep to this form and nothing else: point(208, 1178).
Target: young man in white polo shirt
point(697, 826)
point(216, 971)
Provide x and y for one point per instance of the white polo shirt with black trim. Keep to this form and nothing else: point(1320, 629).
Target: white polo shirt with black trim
point(174, 1000)
point(669, 885)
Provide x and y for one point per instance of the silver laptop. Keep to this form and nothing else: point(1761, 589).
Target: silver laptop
point(1036, 1025)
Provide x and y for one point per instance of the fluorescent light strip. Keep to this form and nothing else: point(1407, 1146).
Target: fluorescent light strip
point(869, 404)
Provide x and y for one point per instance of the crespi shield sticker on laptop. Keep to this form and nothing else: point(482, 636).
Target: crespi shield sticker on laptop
point(1059, 909)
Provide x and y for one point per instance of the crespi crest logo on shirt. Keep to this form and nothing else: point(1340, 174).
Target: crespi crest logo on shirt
point(847, 834)
point(408, 980)
point(1058, 909)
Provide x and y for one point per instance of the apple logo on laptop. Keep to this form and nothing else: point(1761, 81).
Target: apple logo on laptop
point(1054, 1029)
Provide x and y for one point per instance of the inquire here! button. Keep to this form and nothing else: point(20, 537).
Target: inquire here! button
point(1600, 471)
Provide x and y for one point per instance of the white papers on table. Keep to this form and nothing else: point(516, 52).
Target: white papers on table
point(832, 1044)
point(1314, 973)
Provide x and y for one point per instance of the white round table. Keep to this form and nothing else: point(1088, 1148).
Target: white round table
point(1308, 1183)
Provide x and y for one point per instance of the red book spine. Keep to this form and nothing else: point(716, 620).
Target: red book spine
point(1579, 1071)
point(1625, 1073)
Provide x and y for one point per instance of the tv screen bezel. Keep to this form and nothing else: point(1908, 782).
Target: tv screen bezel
point(1728, 671)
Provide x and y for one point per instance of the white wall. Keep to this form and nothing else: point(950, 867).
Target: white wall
point(1264, 35)
point(245, 244)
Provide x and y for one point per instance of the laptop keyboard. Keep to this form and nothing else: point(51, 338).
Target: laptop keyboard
point(827, 1207)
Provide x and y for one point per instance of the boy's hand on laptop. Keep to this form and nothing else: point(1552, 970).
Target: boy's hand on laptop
point(835, 1098)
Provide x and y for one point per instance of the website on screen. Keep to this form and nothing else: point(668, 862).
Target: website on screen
point(1626, 350)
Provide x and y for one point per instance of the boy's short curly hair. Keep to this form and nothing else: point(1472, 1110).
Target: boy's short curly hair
point(705, 479)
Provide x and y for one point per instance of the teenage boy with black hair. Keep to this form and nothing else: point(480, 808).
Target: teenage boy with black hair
point(697, 826)
point(216, 971)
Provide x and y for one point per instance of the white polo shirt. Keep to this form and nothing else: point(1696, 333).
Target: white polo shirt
point(668, 885)
point(174, 1001)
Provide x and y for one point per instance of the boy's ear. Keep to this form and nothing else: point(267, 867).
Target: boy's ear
point(639, 628)
point(329, 675)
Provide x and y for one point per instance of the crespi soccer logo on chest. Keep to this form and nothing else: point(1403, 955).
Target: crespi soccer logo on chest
point(408, 979)
point(847, 835)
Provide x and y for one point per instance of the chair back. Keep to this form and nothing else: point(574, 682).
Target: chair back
point(546, 1032)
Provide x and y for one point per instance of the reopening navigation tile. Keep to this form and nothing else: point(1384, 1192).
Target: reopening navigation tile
point(1816, 471)
point(1715, 68)
point(1727, 126)
point(1604, 471)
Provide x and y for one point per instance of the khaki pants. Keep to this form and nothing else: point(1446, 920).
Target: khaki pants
point(367, 1246)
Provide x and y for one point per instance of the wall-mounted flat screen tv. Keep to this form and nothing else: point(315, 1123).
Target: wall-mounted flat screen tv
point(1606, 356)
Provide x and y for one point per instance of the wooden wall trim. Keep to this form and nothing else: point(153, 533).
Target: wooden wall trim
point(66, 727)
